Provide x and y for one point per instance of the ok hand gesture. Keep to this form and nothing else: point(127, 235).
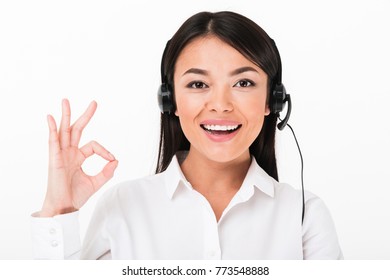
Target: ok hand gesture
point(68, 186)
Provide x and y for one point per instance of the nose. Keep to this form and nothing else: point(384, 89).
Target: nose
point(220, 100)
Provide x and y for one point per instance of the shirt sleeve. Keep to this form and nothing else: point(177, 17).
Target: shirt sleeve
point(58, 237)
point(55, 237)
point(319, 233)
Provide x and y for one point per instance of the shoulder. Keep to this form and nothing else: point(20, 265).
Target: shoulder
point(317, 213)
point(287, 196)
point(286, 191)
point(315, 207)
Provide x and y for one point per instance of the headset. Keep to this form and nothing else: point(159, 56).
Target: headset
point(165, 93)
point(277, 101)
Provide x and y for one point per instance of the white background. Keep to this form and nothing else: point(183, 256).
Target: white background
point(335, 66)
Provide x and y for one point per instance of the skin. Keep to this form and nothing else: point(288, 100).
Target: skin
point(208, 86)
point(68, 187)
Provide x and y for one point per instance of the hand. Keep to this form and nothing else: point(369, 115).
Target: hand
point(68, 187)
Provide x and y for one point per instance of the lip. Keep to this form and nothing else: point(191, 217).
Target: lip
point(220, 137)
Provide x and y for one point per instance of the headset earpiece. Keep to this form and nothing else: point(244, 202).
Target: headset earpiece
point(165, 93)
point(165, 99)
point(278, 98)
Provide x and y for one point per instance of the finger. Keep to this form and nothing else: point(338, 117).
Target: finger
point(94, 147)
point(81, 123)
point(54, 144)
point(106, 174)
point(64, 133)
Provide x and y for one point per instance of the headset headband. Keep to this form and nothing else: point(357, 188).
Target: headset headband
point(164, 79)
point(279, 72)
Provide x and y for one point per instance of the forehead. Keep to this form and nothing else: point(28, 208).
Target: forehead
point(201, 43)
point(210, 51)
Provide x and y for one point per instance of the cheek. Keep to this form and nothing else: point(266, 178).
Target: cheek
point(254, 113)
point(187, 111)
point(186, 106)
point(255, 122)
point(182, 106)
point(255, 108)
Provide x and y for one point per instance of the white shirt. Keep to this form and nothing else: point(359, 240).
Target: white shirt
point(163, 217)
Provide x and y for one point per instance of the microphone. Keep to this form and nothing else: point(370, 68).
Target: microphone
point(283, 123)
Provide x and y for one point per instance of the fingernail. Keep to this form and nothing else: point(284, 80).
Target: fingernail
point(111, 157)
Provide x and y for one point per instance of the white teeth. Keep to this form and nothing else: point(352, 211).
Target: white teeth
point(220, 127)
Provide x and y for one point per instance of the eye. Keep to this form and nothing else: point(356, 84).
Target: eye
point(197, 85)
point(244, 83)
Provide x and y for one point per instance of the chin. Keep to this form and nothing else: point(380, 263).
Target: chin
point(224, 156)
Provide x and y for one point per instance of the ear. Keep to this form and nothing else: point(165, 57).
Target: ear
point(176, 113)
point(267, 110)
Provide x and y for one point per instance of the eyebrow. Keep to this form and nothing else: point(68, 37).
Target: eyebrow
point(196, 71)
point(242, 70)
point(233, 73)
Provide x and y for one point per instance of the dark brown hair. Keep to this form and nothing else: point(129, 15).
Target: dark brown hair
point(252, 42)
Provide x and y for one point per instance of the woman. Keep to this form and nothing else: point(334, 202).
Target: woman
point(216, 193)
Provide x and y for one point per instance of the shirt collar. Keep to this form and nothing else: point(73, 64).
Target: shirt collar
point(173, 176)
point(255, 177)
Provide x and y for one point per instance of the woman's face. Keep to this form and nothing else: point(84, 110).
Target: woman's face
point(220, 99)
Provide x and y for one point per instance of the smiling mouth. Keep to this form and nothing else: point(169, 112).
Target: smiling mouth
point(220, 129)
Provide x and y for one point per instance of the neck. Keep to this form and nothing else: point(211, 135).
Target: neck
point(208, 176)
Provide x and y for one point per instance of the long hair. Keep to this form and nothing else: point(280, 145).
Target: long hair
point(252, 42)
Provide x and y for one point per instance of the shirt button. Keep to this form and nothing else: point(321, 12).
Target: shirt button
point(54, 243)
point(52, 231)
